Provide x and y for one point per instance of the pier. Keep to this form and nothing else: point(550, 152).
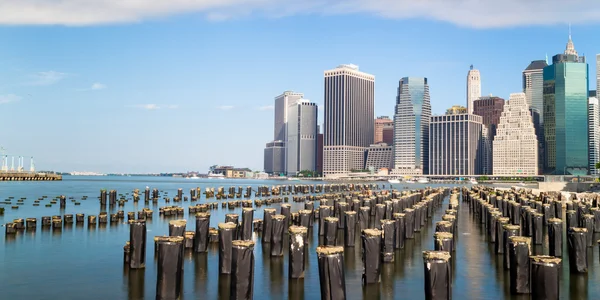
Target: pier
point(28, 176)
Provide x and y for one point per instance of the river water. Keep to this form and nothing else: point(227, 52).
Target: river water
point(82, 263)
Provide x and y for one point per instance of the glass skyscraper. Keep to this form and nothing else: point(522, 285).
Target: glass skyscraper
point(411, 127)
point(565, 114)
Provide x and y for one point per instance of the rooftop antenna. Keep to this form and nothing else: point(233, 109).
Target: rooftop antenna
point(569, 31)
point(547, 58)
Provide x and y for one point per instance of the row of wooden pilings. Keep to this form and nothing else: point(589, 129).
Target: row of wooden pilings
point(384, 219)
point(514, 221)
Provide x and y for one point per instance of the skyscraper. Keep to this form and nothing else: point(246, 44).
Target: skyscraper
point(565, 113)
point(533, 87)
point(380, 124)
point(515, 143)
point(274, 158)
point(490, 109)
point(597, 73)
point(455, 140)
point(349, 112)
point(593, 132)
point(276, 148)
point(411, 127)
point(533, 84)
point(473, 88)
point(301, 133)
point(282, 102)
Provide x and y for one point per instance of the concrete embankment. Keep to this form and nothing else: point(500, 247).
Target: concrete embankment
point(7, 176)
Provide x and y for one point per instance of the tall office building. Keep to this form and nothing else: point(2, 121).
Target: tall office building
point(349, 111)
point(515, 143)
point(381, 123)
point(565, 114)
point(533, 84)
point(490, 109)
point(274, 158)
point(593, 132)
point(276, 150)
point(455, 144)
point(301, 136)
point(597, 73)
point(282, 102)
point(411, 127)
point(379, 156)
point(388, 135)
point(533, 87)
point(473, 88)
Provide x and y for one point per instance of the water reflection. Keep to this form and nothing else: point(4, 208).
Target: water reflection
point(200, 273)
point(276, 277)
point(224, 286)
point(296, 289)
point(578, 286)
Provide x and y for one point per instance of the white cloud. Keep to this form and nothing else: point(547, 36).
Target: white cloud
point(470, 13)
point(47, 77)
point(147, 106)
point(225, 107)
point(98, 86)
point(9, 98)
point(155, 106)
point(267, 107)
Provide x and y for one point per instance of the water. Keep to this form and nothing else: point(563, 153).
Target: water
point(88, 263)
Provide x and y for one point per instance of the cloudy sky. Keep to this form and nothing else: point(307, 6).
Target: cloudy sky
point(157, 86)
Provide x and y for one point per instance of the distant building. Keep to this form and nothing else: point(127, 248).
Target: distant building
point(490, 109)
point(349, 127)
point(473, 88)
point(274, 160)
point(456, 110)
point(381, 123)
point(379, 156)
point(301, 145)
point(277, 152)
point(411, 127)
point(565, 115)
point(515, 143)
point(388, 135)
point(238, 173)
point(454, 145)
point(487, 160)
point(593, 132)
point(282, 102)
point(533, 87)
point(597, 73)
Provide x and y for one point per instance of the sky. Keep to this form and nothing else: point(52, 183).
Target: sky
point(127, 86)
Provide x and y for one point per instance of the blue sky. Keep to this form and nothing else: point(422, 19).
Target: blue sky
point(119, 86)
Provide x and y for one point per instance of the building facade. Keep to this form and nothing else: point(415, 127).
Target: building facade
point(593, 133)
point(455, 142)
point(349, 102)
point(388, 135)
point(301, 133)
point(565, 114)
point(274, 158)
point(411, 127)
point(282, 102)
point(490, 109)
point(473, 88)
point(533, 87)
point(597, 73)
point(381, 123)
point(515, 143)
point(379, 156)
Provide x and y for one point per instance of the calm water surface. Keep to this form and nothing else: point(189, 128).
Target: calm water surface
point(81, 262)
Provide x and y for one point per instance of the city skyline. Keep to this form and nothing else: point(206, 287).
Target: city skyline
point(138, 97)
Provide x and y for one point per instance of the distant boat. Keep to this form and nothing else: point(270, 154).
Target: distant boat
point(293, 178)
point(423, 180)
point(410, 180)
point(394, 181)
point(473, 181)
point(214, 175)
point(193, 177)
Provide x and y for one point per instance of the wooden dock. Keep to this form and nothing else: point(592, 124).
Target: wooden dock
point(28, 176)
